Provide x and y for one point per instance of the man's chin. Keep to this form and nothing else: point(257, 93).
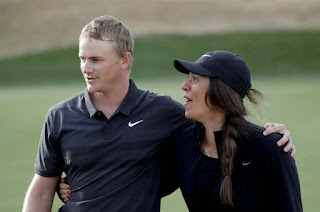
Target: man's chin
point(91, 89)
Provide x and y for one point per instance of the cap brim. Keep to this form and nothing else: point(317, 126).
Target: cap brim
point(185, 67)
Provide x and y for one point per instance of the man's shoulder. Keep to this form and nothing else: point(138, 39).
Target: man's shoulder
point(70, 103)
point(145, 96)
point(163, 99)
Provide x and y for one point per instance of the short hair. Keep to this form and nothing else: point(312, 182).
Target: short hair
point(108, 27)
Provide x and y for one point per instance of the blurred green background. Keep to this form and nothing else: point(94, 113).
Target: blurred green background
point(284, 66)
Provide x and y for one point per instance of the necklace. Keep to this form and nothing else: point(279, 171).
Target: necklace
point(205, 147)
point(210, 155)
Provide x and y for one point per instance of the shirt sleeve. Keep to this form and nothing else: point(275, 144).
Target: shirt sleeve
point(169, 172)
point(177, 117)
point(49, 161)
point(283, 176)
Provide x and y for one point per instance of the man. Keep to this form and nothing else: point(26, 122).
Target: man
point(111, 139)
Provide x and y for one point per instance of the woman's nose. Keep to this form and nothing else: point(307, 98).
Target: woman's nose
point(185, 86)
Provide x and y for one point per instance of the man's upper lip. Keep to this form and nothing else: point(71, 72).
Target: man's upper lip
point(186, 97)
point(89, 77)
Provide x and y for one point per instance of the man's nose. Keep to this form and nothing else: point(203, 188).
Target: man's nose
point(86, 67)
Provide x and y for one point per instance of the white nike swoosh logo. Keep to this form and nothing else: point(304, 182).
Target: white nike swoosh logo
point(134, 123)
point(206, 55)
point(246, 163)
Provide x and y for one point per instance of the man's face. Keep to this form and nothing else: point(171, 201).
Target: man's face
point(100, 65)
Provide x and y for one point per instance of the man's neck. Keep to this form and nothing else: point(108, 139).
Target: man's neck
point(109, 102)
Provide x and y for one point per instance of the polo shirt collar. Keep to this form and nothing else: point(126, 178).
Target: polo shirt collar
point(90, 106)
point(125, 107)
point(129, 100)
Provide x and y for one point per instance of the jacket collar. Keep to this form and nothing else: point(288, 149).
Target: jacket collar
point(199, 132)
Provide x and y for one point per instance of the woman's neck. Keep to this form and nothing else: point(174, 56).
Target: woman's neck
point(208, 145)
point(214, 122)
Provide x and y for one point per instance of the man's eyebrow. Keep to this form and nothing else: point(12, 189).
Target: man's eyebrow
point(107, 39)
point(80, 56)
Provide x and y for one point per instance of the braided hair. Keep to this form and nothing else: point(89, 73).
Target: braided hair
point(226, 99)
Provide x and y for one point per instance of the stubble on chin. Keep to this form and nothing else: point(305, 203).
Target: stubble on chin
point(90, 89)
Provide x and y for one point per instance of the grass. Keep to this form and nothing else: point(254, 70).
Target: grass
point(268, 53)
point(293, 101)
point(285, 64)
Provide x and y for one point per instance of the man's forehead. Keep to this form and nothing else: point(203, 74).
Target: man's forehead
point(92, 40)
point(94, 45)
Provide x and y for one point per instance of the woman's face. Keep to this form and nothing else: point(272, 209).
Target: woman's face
point(195, 89)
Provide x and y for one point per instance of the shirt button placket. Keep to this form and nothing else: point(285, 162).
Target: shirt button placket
point(107, 131)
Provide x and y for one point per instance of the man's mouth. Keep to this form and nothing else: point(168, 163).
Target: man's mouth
point(90, 78)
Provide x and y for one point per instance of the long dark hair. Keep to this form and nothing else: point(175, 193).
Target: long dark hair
point(226, 99)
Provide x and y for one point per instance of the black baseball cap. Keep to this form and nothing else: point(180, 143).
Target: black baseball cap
point(226, 66)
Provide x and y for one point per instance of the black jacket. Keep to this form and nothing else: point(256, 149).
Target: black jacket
point(264, 179)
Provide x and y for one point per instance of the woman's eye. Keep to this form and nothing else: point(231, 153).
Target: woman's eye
point(193, 79)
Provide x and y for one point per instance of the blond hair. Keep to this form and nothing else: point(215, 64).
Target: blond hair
point(109, 28)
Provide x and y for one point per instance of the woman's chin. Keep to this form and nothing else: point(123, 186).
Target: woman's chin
point(188, 116)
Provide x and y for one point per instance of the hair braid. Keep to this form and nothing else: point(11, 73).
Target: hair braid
point(222, 97)
point(229, 149)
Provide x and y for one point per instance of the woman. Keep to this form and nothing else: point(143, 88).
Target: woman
point(230, 165)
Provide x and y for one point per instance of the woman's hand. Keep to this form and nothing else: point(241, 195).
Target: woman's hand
point(65, 190)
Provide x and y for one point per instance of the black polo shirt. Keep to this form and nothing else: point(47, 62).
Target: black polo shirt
point(112, 164)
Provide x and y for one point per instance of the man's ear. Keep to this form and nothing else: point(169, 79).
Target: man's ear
point(125, 61)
